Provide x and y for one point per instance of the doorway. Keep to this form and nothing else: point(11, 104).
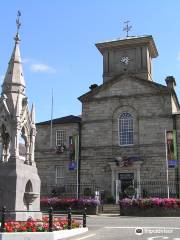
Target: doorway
point(126, 180)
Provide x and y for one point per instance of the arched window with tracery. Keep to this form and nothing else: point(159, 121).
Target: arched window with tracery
point(126, 129)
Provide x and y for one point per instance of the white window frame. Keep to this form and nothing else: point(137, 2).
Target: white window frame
point(61, 139)
point(119, 128)
point(59, 169)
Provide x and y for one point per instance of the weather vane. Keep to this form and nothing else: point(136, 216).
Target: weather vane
point(18, 23)
point(127, 28)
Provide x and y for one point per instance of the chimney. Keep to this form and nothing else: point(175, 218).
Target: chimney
point(171, 82)
point(93, 86)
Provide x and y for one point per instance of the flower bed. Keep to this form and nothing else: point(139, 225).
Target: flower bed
point(150, 207)
point(39, 226)
point(74, 203)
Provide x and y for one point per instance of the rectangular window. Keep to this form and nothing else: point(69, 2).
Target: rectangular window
point(60, 138)
point(59, 175)
point(126, 129)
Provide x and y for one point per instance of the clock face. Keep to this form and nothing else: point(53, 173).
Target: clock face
point(125, 60)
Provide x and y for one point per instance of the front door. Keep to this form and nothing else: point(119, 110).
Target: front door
point(126, 180)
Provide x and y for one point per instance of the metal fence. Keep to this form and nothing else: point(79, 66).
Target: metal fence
point(148, 188)
point(157, 188)
point(51, 214)
point(160, 189)
point(69, 190)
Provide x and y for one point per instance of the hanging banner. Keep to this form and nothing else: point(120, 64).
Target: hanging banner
point(73, 151)
point(171, 148)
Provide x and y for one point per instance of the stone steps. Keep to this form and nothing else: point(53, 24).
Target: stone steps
point(109, 208)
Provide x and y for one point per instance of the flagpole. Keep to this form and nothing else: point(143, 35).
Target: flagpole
point(51, 133)
point(167, 166)
point(79, 162)
point(77, 166)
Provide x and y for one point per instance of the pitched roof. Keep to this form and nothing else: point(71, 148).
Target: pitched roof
point(96, 90)
point(62, 120)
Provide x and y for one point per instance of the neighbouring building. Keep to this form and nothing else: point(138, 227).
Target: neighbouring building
point(129, 128)
point(55, 160)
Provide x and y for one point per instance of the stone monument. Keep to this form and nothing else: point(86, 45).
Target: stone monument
point(19, 180)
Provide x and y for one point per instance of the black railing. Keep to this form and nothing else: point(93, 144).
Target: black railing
point(157, 188)
point(50, 213)
point(68, 190)
point(145, 189)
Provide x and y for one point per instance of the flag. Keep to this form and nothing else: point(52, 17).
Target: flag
point(171, 148)
point(73, 151)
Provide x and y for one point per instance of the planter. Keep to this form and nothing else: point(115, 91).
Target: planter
point(150, 212)
point(56, 235)
point(92, 210)
point(78, 205)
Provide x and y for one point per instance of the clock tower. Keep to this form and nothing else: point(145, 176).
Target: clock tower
point(131, 54)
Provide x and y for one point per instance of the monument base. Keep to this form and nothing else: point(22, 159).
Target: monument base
point(56, 235)
point(19, 190)
point(23, 216)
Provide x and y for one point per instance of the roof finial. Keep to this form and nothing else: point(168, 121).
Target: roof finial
point(127, 28)
point(18, 24)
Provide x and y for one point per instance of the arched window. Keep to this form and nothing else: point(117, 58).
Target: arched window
point(126, 129)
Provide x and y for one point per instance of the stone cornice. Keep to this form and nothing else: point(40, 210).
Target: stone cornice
point(146, 40)
point(116, 147)
point(140, 117)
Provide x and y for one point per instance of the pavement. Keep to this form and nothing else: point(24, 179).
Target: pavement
point(115, 227)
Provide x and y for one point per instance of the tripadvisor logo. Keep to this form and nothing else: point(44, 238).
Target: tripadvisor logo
point(138, 231)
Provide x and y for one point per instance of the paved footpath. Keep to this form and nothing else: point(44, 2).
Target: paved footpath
point(113, 227)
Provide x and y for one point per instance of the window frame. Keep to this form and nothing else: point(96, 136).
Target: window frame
point(59, 177)
point(119, 133)
point(63, 139)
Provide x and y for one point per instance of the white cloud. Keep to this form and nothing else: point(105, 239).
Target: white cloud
point(42, 68)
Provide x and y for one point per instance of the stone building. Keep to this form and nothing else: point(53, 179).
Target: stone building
point(54, 160)
point(124, 124)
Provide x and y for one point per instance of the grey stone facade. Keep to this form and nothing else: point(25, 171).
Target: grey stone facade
point(128, 87)
point(49, 159)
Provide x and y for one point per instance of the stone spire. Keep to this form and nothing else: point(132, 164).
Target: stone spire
point(14, 78)
point(18, 121)
point(19, 180)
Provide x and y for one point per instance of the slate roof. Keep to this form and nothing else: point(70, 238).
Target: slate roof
point(66, 119)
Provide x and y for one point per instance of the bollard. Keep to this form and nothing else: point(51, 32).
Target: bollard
point(69, 219)
point(84, 218)
point(50, 219)
point(3, 214)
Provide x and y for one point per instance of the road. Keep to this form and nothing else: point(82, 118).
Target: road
point(113, 227)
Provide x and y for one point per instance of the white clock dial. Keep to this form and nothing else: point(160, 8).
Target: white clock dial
point(125, 60)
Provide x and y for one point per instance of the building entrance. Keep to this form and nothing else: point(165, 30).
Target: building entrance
point(125, 181)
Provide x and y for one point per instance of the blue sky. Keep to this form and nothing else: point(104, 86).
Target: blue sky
point(57, 44)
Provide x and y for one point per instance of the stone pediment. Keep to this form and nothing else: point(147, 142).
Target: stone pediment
point(124, 85)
